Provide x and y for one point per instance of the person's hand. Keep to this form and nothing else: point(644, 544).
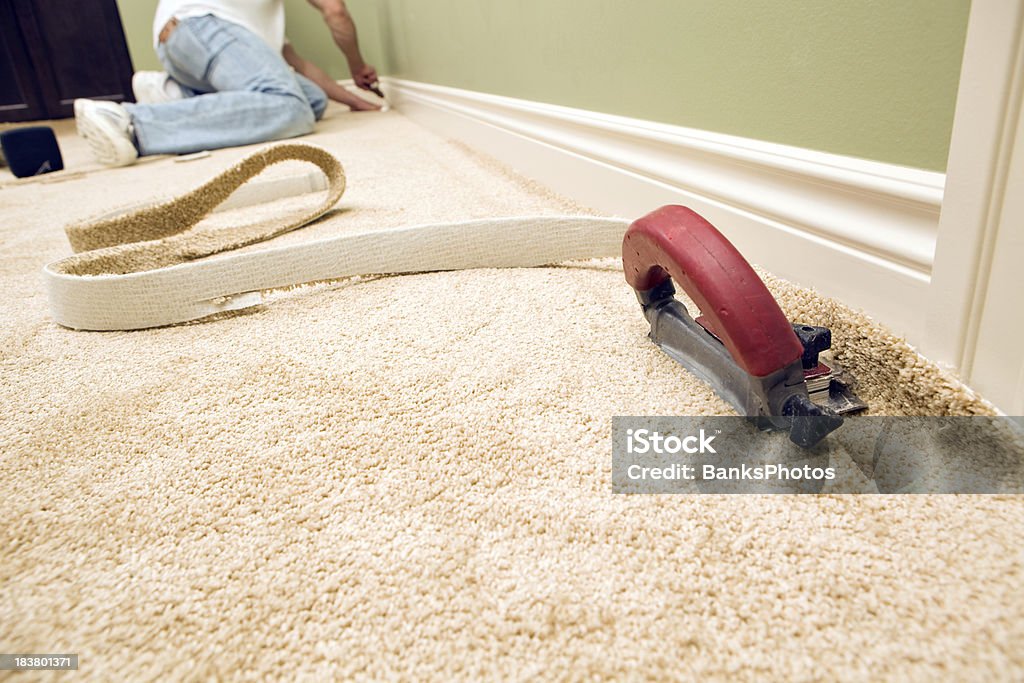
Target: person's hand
point(365, 77)
point(359, 104)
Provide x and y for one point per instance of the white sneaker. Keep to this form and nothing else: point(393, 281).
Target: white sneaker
point(107, 127)
point(155, 87)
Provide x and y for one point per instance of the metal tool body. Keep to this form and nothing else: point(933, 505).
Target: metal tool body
point(742, 345)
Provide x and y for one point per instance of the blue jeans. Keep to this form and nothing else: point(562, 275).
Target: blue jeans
point(242, 92)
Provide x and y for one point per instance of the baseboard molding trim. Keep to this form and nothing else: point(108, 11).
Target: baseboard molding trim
point(859, 230)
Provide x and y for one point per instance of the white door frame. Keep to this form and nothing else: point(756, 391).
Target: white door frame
point(975, 213)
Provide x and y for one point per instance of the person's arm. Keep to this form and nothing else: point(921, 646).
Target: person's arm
point(330, 87)
point(343, 30)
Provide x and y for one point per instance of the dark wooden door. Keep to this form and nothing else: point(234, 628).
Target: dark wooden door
point(60, 51)
point(20, 99)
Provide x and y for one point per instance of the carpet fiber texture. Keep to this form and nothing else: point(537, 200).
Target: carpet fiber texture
point(409, 477)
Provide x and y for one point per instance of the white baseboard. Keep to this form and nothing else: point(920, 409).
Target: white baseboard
point(859, 230)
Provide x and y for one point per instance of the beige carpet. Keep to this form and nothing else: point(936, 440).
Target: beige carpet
point(409, 477)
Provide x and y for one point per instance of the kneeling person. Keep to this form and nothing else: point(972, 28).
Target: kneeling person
point(229, 82)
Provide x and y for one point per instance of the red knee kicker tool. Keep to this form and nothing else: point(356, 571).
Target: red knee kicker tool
point(742, 344)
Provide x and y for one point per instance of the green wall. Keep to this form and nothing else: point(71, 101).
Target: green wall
point(137, 19)
point(868, 78)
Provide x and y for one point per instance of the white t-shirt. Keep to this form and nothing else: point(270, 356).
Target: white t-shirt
point(265, 18)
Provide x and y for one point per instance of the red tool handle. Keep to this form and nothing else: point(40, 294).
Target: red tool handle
point(676, 241)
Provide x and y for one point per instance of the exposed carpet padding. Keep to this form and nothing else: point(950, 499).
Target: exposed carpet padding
point(409, 477)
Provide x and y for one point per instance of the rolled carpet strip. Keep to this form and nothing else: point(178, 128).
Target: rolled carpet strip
point(137, 267)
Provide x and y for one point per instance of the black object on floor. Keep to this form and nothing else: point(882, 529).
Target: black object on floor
point(31, 151)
